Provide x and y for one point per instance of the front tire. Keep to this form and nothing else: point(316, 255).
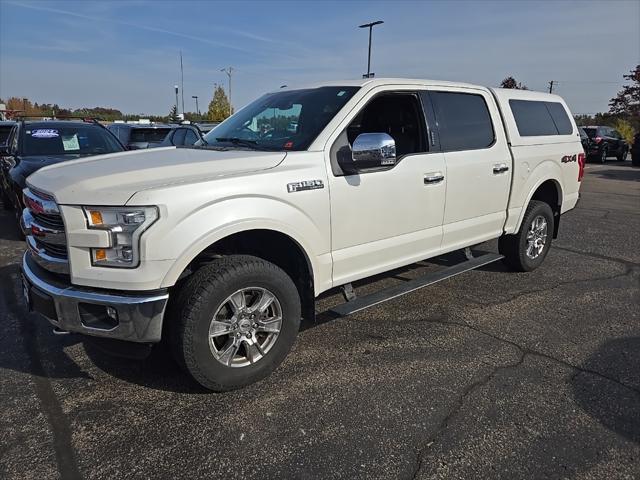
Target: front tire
point(526, 250)
point(234, 321)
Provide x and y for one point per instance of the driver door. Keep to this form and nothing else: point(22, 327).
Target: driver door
point(390, 217)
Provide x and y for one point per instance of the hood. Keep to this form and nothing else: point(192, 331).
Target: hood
point(29, 164)
point(113, 179)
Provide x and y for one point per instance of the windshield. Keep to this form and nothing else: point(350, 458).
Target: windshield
point(286, 120)
point(73, 139)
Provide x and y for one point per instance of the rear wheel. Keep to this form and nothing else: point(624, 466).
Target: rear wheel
point(622, 156)
point(526, 250)
point(604, 154)
point(234, 321)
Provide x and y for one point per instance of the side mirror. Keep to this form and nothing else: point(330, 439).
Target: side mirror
point(370, 151)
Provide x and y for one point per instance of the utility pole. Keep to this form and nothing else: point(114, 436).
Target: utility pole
point(370, 27)
point(229, 71)
point(551, 86)
point(182, 83)
point(197, 109)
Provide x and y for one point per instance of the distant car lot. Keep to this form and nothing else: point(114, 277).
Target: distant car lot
point(538, 378)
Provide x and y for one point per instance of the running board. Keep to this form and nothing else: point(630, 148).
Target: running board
point(360, 303)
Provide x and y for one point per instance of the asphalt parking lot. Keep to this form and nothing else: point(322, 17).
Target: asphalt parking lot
point(491, 374)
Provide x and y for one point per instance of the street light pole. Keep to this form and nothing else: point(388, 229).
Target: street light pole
point(370, 27)
point(176, 88)
point(229, 71)
point(197, 109)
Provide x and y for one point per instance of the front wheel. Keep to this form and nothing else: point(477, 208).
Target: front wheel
point(526, 250)
point(234, 321)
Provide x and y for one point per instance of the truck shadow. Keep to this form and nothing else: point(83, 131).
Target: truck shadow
point(631, 175)
point(608, 386)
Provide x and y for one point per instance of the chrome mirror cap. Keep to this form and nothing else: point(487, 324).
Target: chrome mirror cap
point(374, 150)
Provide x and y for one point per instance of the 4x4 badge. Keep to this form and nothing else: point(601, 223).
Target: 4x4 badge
point(304, 185)
point(569, 158)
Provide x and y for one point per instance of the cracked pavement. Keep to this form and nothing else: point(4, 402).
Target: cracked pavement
point(489, 374)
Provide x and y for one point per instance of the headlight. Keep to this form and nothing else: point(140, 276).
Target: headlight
point(125, 224)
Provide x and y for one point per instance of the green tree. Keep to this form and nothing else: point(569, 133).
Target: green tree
point(173, 115)
point(219, 105)
point(511, 82)
point(626, 130)
point(627, 102)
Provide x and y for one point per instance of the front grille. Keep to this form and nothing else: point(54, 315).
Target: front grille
point(44, 227)
point(58, 251)
point(49, 220)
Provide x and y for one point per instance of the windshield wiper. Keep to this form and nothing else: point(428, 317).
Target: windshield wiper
point(238, 141)
point(245, 142)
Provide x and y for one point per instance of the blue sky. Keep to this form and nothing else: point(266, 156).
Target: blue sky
point(125, 54)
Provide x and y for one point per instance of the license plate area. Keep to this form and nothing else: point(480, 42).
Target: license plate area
point(39, 302)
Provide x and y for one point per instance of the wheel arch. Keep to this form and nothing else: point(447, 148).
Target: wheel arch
point(548, 190)
point(273, 245)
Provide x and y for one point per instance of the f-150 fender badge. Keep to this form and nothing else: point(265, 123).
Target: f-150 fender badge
point(304, 185)
point(569, 158)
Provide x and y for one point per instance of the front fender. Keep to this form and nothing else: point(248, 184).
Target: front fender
point(207, 225)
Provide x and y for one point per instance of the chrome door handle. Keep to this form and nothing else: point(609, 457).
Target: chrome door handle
point(430, 178)
point(500, 168)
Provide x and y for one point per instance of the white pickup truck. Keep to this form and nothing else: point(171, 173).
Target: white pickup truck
point(222, 248)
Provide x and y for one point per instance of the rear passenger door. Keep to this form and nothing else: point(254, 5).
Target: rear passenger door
point(478, 165)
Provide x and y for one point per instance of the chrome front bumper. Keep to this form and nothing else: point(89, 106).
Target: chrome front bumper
point(116, 315)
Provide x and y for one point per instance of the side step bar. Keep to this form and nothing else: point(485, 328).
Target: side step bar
point(360, 303)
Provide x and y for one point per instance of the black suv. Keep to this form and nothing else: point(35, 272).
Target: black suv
point(180, 135)
point(32, 145)
point(605, 142)
point(140, 135)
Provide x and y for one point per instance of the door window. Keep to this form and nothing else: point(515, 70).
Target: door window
point(397, 114)
point(190, 138)
point(464, 121)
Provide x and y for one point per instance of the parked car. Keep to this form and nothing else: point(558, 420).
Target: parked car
point(182, 135)
point(5, 130)
point(140, 135)
point(635, 150)
point(605, 142)
point(584, 140)
point(36, 144)
point(206, 127)
point(221, 248)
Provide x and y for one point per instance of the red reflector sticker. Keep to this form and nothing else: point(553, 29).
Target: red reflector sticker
point(289, 144)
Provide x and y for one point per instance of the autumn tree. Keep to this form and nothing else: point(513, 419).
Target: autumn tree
point(627, 102)
point(219, 105)
point(511, 82)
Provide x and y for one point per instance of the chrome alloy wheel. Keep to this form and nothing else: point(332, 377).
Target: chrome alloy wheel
point(245, 327)
point(536, 237)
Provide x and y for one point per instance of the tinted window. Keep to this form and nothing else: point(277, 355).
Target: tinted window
point(148, 135)
point(5, 130)
point(190, 138)
point(56, 139)
point(532, 118)
point(178, 136)
point(560, 118)
point(591, 132)
point(535, 118)
point(463, 121)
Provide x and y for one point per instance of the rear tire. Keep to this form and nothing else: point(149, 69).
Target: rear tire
point(213, 332)
point(604, 154)
point(6, 201)
point(622, 157)
point(526, 250)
